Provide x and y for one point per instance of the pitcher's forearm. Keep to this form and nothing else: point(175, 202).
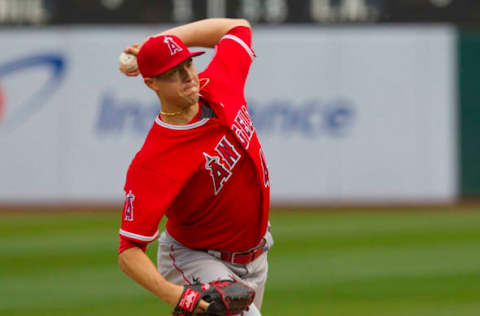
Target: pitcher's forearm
point(135, 264)
point(205, 33)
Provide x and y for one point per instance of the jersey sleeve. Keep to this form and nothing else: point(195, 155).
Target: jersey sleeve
point(229, 67)
point(147, 196)
point(125, 244)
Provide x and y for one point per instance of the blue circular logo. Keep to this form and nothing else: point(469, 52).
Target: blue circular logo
point(54, 64)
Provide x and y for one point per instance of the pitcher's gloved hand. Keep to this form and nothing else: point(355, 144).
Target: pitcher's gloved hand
point(225, 297)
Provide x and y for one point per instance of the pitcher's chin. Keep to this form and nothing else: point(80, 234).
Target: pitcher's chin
point(191, 99)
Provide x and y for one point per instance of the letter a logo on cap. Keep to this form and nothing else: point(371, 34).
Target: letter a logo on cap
point(174, 48)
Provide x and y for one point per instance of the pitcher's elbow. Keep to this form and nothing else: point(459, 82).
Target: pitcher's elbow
point(243, 22)
point(122, 263)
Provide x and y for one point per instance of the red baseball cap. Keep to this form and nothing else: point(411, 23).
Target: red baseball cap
point(161, 53)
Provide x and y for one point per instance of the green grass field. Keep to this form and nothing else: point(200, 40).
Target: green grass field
point(328, 263)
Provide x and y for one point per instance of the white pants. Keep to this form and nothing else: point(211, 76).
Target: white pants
point(182, 265)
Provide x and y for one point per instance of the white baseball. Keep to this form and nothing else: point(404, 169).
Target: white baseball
point(128, 62)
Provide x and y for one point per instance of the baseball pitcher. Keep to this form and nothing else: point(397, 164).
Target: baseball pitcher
point(203, 168)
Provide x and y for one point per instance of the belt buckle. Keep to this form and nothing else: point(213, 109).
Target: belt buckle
point(232, 259)
point(243, 257)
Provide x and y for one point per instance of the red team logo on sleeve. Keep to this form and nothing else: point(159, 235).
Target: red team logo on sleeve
point(174, 47)
point(128, 207)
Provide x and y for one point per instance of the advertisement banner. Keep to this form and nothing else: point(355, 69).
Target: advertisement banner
point(350, 115)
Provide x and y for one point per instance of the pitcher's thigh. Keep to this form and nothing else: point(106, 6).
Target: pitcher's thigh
point(182, 265)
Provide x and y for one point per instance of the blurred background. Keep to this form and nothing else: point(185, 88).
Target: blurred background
point(368, 112)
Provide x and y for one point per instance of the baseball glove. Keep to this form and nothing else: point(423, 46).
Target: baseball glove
point(226, 297)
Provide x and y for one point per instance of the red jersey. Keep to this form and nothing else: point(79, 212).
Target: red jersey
point(209, 178)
